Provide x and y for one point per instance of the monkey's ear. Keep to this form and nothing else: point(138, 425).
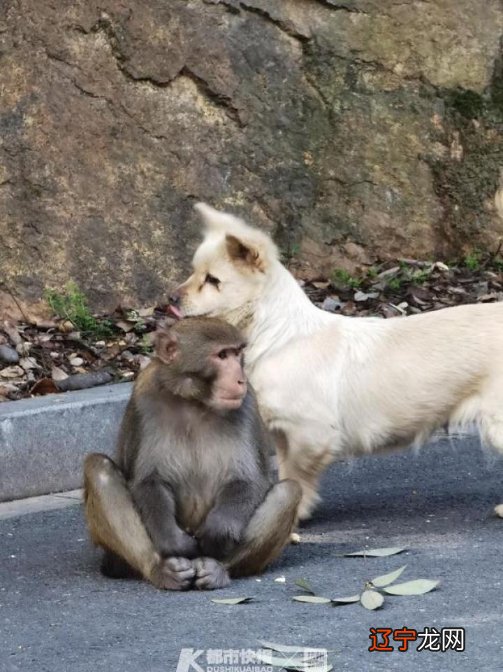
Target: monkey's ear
point(166, 346)
point(245, 252)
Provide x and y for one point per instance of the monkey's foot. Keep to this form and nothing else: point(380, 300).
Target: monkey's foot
point(210, 574)
point(174, 574)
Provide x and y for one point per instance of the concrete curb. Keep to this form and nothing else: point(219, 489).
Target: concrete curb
point(43, 440)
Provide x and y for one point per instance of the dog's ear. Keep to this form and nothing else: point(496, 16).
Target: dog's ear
point(215, 220)
point(245, 252)
point(245, 245)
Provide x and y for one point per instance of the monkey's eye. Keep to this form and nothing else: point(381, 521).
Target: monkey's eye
point(222, 354)
point(210, 279)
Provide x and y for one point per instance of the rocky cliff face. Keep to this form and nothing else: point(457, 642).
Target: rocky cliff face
point(351, 130)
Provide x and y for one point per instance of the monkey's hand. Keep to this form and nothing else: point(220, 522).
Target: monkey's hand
point(220, 534)
point(210, 574)
point(173, 574)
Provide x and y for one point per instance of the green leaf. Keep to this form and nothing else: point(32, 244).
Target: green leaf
point(386, 579)
point(232, 600)
point(345, 600)
point(312, 599)
point(416, 587)
point(290, 663)
point(375, 552)
point(371, 599)
point(305, 585)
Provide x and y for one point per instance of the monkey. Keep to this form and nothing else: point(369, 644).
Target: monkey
point(189, 501)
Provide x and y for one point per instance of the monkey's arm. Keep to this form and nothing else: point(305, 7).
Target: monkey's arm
point(222, 530)
point(156, 504)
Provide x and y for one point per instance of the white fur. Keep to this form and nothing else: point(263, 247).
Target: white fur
point(332, 386)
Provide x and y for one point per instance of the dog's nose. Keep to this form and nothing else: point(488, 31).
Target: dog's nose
point(174, 298)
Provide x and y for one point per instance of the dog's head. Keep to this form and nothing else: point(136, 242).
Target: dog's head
point(231, 268)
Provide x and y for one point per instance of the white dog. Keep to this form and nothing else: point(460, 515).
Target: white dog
point(331, 386)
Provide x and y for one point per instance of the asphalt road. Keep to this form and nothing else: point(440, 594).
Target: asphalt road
point(57, 614)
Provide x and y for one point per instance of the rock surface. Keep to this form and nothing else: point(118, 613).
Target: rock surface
point(350, 130)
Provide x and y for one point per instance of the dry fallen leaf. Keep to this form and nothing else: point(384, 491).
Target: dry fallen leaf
point(376, 552)
point(44, 386)
point(305, 585)
point(345, 600)
point(12, 372)
point(371, 599)
point(294, 662)
point(12, 332)
point(312, 599)
point(231, 600)
point(298, 650)
point(387, 579)
point(416, 587)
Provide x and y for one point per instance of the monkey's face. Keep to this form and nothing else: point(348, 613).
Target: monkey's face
point(229, 383)
point(203, 361)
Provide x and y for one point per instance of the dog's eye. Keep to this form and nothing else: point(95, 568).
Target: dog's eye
point(210, 279)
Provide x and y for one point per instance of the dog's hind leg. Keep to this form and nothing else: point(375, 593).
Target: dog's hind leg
point(491, 423)
point(304, 464)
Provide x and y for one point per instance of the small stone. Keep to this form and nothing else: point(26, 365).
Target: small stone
point(66, 326)
point(58, 374)
point(76, 361)
point(100, 344)
point(8, 355)
point(331, 304)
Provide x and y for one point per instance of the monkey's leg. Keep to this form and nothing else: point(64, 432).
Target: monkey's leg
point(268, 531)
point(156, 504)
point(115, 524)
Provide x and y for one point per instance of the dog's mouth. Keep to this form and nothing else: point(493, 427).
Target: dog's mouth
point(175, 312)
